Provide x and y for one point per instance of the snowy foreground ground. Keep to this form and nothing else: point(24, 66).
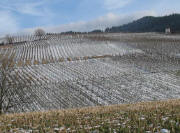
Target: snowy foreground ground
point(87, 70)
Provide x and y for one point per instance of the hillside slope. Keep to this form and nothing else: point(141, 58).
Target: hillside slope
point(162, 116)
point(150, 24)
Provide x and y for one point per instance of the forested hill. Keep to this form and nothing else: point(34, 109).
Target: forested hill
point(150, 24)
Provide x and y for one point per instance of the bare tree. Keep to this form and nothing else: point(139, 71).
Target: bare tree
point(5, 96)
point(9, 39)
point(40, 33)
point(8, 91)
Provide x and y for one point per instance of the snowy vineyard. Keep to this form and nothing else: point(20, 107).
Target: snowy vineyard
point(88, 83)
point(58, 75)
point(62, 49)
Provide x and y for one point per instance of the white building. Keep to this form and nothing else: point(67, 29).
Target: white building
point(168, 31)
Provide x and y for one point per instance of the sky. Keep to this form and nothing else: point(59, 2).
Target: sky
point(24, 16)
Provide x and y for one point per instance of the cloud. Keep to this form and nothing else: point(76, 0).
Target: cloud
point(33, 8)
point(115, 4)
point(29, 8)
point(8, 23)
point(102, 22)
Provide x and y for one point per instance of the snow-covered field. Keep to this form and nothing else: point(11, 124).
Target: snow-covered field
point(56, 49)
point(134, 71)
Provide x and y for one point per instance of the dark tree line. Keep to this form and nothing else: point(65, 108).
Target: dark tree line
point(150, 24)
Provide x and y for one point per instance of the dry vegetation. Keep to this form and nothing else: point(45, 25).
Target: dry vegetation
point(137, 118)
point(6, 46)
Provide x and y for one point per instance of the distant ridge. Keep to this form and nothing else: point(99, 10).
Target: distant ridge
point(150, 24)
